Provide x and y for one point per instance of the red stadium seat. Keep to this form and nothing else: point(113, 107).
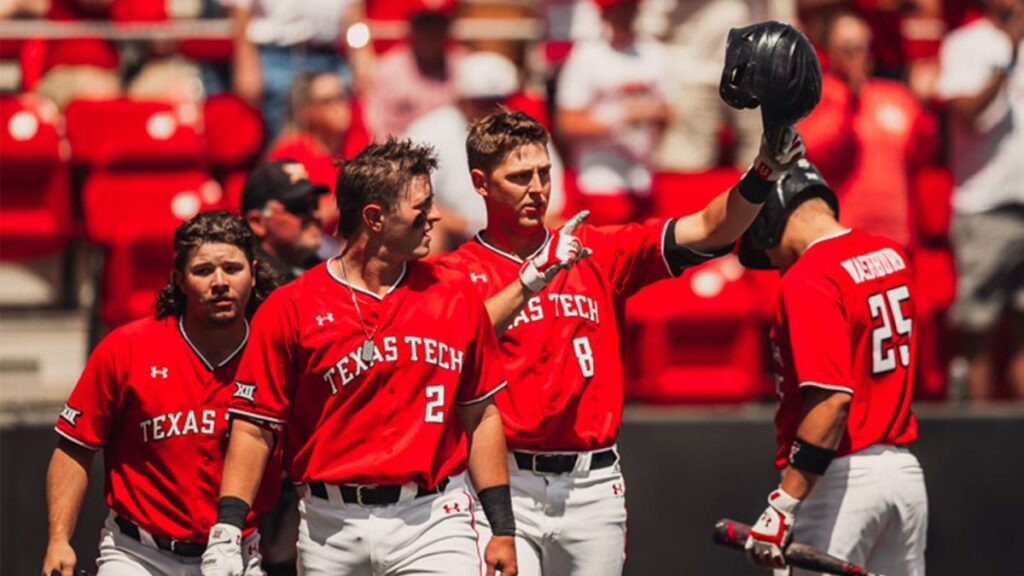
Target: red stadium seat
point(681, 193)
point(35, 214)
point(233, 131)
point(129, 134)
point(133, 215)
point(207, 49)
point(934, 288)
point(699, 338)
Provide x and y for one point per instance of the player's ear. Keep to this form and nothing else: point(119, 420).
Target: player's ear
point(254, 218)
point(373, 217)
point(176, 280)
point(480, 181)
point(253, 266)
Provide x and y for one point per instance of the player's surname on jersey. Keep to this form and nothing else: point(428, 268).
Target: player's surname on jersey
point(874, 265)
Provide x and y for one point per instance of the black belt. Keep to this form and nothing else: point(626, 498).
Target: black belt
point(372, 495)
point(562, 463)
point(179, 547)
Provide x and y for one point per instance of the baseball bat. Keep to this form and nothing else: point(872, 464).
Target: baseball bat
point(733, 534)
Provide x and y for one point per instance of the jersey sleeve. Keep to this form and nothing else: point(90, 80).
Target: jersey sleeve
point(92, 408)
point(819, 333)
point(632, 254)
point(267, 374)
point(483, 375)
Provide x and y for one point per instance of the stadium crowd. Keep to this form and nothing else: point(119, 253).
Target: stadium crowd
point(123, 118)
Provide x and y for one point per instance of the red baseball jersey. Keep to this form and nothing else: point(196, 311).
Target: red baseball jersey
point(158, 409)
point(389, 420)
point(562, 352)
point(844, 321)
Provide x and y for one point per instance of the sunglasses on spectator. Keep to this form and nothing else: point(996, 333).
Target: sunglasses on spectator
point(330, 99)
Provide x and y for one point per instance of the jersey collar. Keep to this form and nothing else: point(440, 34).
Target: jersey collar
point(339, 280)
point(209, 366)
point(480, 238)
point(828, 237)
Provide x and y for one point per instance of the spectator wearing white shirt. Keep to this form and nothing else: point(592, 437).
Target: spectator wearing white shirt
point(612, 110)
point(982, 83)
point(483, 82)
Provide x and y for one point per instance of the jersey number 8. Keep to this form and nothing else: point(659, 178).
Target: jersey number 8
point(883, 354)
point(584, 355)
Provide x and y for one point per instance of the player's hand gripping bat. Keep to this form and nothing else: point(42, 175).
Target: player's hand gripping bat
point(733, 534)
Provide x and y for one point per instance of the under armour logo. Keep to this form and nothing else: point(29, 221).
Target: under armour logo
point(154, 372)
point(325, 318)
point(69, 414)
point(450, 508)
point(478, 277)
point(246, 391)
point(618, 489)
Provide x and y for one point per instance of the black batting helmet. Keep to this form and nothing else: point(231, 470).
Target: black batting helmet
point(799, 183)
point(771, 65)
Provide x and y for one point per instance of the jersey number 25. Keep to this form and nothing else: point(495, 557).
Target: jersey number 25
point(883, 353)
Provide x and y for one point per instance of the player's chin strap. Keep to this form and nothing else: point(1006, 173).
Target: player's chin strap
point(497, 504)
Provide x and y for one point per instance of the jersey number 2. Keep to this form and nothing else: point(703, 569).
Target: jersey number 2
point(435, 404)
point(883, 354)
point(584, 355)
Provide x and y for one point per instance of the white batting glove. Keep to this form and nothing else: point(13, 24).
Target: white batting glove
point(562, 251)
point(767, 539)
point(223, 555)
point(770, 164)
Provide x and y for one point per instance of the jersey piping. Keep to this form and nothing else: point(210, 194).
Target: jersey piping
point(485, 396)
point(224, 362)
point(480, 238)
point(374, 295)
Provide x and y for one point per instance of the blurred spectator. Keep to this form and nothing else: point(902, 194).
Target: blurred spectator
point(885, 19)
point(317, 119)
point(280, 205)
point(696, 32)
point(611, 111)
point(982, 82)
point(483, 82)
point(23, 8)
point(277, 39)
point(81, 67)
point(868, 135)
point(414, 78)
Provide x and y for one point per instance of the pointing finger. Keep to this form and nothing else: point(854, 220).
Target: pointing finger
point(575, 221)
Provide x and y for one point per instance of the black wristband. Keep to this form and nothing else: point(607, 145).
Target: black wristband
point(810, 458)
point(232, 510)
point(753, 188)
point(497, 504)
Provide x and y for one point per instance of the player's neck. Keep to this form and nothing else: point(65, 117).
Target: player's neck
point(215, 342)
point(810, 231)
point(515, 239)
point(369, 269)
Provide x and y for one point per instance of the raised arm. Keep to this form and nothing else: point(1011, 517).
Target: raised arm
point(725, 218)
point(66, 481)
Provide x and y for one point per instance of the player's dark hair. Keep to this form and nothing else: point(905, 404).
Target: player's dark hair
point(493, 137)
point(214, 227)
point(379, 175)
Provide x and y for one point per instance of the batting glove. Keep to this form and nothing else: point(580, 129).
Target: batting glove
point(767, 539)
point(223, 555)
point(562, 251)
point(770, 163)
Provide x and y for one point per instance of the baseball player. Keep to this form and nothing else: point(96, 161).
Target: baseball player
point(844, 363)
point(560, 333)
point(382, 370)
point(154, 397)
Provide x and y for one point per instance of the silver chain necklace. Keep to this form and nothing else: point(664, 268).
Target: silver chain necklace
point(368, 348)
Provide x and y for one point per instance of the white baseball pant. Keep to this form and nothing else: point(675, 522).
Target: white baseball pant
point(122, 555)
point(429, 535)
point(870, 508)
point(571, 524)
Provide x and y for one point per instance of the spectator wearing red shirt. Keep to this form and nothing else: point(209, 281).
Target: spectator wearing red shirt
point(867, 135)
point(318, 118)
